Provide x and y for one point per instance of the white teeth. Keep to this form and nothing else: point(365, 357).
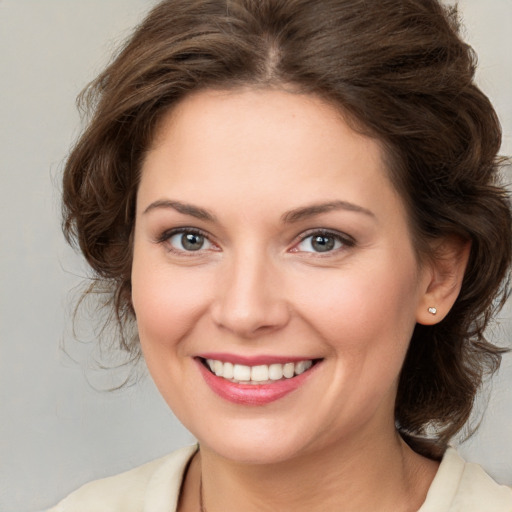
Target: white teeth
point(257, 374)
point(288, 370)
point(241, 372)
point(302, 366)
point(218, 368)
point(228, 371)
point(275, 371)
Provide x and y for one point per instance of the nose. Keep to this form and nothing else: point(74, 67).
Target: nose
point(250, 300)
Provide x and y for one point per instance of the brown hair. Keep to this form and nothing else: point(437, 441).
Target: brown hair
point(399, 69)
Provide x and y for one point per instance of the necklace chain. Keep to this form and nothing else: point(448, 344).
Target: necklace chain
point(202, 508)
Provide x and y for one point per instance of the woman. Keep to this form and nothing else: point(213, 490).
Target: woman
point(298, 204)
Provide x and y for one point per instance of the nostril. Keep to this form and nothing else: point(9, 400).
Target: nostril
point(246, 323)
point(248, 300)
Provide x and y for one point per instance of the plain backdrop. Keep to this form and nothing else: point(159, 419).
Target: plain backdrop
point(56, 430)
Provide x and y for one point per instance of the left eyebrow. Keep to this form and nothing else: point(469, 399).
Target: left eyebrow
point(305, 212)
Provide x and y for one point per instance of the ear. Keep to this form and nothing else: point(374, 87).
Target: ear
point(443, 279)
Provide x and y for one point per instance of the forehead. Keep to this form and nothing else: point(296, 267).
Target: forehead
point(263, 145)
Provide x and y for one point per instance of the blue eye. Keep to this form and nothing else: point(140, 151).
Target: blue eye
point(188, 241)
point(322, 242)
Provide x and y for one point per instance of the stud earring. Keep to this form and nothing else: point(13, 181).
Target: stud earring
point(432, 311)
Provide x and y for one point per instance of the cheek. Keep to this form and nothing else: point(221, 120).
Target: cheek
point(368, 310)
point(167, 303)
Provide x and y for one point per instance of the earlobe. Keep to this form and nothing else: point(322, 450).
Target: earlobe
point(443, 280)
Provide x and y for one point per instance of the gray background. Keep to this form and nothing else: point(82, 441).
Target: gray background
point(56, 430)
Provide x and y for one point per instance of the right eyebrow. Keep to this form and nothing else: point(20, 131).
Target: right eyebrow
point(185, 208)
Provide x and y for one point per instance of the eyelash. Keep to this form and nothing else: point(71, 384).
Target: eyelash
point(165, 237)
point(345, 240)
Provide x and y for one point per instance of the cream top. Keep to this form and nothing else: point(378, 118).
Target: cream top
point(154, 487)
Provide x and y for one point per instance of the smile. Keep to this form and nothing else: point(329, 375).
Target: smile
point(259, 374)
point(255, 384)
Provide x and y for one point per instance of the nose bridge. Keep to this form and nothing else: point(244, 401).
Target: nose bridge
point(250, 300)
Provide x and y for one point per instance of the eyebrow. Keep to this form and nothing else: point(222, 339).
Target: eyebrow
point(289, 217)
point(305, 212)
point(185, 208)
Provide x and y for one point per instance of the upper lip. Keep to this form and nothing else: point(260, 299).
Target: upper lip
point(254, 360)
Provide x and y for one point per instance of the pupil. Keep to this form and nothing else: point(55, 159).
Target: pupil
point(323, 243)
point(192, 242)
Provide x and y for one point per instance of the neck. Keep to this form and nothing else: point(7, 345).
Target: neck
point(380, 476)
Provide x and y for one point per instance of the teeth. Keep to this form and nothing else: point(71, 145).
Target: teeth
point(275, 371)
point(288, 370)
point(257, 374)
point(218, 368)
point(241, 372)
point(302, 366)
point(228, 372)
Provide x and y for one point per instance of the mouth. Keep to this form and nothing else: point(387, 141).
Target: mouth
point(260, 374)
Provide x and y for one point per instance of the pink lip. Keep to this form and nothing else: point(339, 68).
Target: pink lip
point(252, 394)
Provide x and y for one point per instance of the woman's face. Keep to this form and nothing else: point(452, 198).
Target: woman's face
point(270, 240)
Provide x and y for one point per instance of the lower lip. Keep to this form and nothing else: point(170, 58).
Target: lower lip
point(252, 394)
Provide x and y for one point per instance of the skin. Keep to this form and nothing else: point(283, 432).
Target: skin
point(258, 287)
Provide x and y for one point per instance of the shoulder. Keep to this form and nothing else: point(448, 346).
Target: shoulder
point(151, 486)
point(460, 486)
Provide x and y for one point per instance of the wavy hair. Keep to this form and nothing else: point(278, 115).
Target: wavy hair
point(400, 72)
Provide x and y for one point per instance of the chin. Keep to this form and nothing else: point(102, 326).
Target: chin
point(255, 443)
point(252, 452)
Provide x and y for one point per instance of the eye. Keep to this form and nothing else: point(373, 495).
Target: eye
point(323, 242)
point(186, 240)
